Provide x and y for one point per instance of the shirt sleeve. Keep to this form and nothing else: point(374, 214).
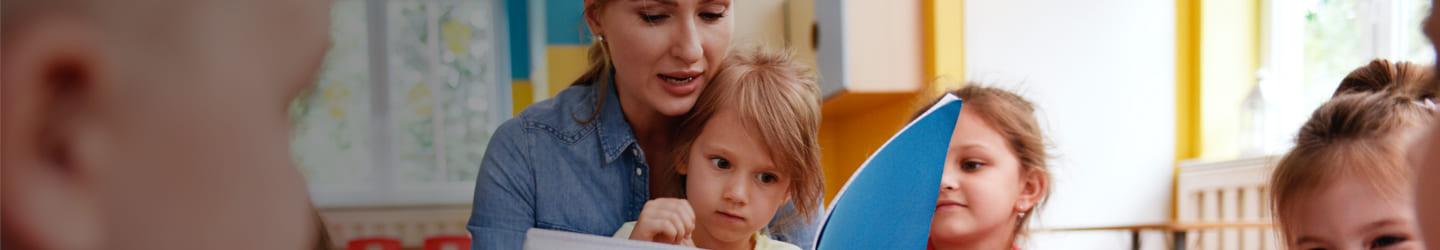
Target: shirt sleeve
point(803, 233)
point(503, 208)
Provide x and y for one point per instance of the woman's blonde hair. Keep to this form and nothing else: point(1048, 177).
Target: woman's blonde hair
point(777, 99)
point(1358, 133)
point(598, 57)
point(1014, 117)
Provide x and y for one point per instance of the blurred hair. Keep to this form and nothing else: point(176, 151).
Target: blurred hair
point(1406, 79)
point(1354, 135)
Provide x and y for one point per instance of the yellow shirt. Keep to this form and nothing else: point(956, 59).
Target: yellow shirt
point(762, 242)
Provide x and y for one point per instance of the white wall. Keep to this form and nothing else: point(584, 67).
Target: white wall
point(1103, 75)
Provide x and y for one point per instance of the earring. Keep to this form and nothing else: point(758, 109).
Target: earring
point(599, 38)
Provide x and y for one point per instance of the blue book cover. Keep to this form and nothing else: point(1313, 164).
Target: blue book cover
point(888, 202)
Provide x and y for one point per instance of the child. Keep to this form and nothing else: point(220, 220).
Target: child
point(749, 146)
point(1346, 184)
point(154, 124)
point(995, 172)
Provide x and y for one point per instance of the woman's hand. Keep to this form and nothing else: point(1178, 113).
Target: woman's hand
point(665, 220)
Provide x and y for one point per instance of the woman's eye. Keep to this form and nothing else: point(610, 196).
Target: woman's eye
point(712, 16)
point(767, 178)
point(720, 162)
point(971, 165)
point(653, 18)
point(1386, 241)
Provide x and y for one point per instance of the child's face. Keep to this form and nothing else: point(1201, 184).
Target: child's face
point(1350, 214)
point(1425, 161)
point(982, 189)
point(731, 181)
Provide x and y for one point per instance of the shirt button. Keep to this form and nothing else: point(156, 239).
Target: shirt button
point(635, 151)
point(638, 172)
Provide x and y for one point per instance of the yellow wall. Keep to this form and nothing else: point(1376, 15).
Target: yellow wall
point(1229, 58)
point(565, 63)
point(853, 126)
point(521, 95)
point(1187, 90)
point(1217, 53)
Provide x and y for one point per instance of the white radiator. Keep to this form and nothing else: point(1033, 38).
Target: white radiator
point(1227, 192)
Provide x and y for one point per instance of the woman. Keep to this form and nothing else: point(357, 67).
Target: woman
point(588, 159)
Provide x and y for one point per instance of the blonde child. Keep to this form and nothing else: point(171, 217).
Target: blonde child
point(749, 147)
point(999, 153)
point(1346, 184)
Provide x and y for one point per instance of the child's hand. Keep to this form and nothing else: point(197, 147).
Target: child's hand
point(665, 220)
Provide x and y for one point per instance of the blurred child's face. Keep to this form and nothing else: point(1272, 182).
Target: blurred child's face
point(982, 190)
point(1350, 214)
point(1426, 155)
point(664, 52)
point(731, 181)
point(1425, 158)
point(165, 128)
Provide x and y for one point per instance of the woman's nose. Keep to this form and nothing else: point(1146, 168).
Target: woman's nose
point(686, 45)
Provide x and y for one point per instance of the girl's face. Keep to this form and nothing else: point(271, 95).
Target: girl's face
point(982, 190)
point(664, 51)
point(1350, 214)
point(731, 181)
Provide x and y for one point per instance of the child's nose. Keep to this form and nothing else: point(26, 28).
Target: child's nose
point(735, 191)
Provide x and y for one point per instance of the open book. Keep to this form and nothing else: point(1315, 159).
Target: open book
point(537, 239)
point(887, 204)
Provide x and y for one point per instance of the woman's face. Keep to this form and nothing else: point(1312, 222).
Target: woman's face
point(664, 51)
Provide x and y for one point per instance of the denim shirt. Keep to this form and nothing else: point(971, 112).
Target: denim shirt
point(546, 169)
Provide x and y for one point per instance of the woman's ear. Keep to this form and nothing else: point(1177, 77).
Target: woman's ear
point(592, 18)
point(682, 168)
point(1032, 190)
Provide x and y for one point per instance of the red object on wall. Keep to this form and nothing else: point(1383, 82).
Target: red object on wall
point(448, 242)
point(374, 243)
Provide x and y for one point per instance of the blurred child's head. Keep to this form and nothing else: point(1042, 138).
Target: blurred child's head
point(1402, 78)
point(152, 124)
point(995, 172)
point(751, 145)
point(1346, 183)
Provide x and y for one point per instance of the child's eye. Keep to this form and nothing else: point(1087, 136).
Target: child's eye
point(971, 165)
point(720, 162)
point(767, 177)
point(1387, 241)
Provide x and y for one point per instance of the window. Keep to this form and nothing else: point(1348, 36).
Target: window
point(405, 102)
point(1309, 46)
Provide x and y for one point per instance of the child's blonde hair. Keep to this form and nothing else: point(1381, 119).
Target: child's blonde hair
point(1014, 117)
point(776, 98)
point(1357, 134)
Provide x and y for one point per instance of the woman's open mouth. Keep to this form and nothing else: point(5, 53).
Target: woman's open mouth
point(680, 83)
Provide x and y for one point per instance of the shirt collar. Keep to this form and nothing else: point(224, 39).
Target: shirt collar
point(615, 133)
